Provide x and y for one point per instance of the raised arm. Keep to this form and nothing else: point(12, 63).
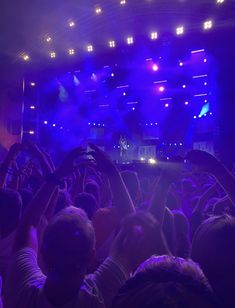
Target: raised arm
point(121, 197)
point(39, 205)
point(4, 167)
point(206, 162)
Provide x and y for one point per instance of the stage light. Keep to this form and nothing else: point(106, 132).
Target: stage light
point(52, 54)
point(25, 57)
point(98, 10)
point(205, 60)
point(124, 93)
point(31, 132)
point(161, 89)
point(181, 144)
point(205, 83)
point(48, 39)
point(180, 30)
point(154, 35)
point(166, 105)
point(186, 103)
point(208, 24)
point(155, 67)
point(33, 84)
point(89, 123)
point(210, 113)
point(152, 161)
point(151, 124)
point(71, 24)
point(45, 122)
point(112, 44)
point(61, 127)
point(142, 158)
point(112, 75)
point(194, 117)
point(181, 63)
point(133, 108)
point(183, 86)
point(89, 48)
point(54, 125)
point(71, 51)
point(220, 1)
point(130, 40)
point(123, 2)
point(155, 123)
point(205, 101)
point(32, 107)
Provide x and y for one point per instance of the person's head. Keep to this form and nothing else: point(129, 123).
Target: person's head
point(93, 188)
point(68, 247)
point(165, 282)
point(87, 202)
point(132, 183)
point(10, 211)
point(213, 248)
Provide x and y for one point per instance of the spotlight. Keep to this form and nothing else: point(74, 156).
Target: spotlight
point(154, 35)
point(183, 86)
point(48, 39)
point(71, 52)
point(98, 10)
point(205, 60)
point(32, 107)
point(71, 24)
point(210, 113)
point(124, 93)
point(130, 40)
point(89, 48)
point(45, 122)
point(142, 158)
point(123, 2)
point(112, 75)
point(161, 89)
point(166, 105)
point(208, 24)
point(152, 161)
point(220, 1)
point(186, 103)
point(195, 117)
point(54, 125)
point(25, 57)
point(52, 54)
point(181, 63)
point(112, 44)
point(31, 132)
point(133, 108)
point(180, 30)
point(205, 83)
point(155, 67)
point(33, 84)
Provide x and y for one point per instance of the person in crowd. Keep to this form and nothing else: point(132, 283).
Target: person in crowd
point(166, 281)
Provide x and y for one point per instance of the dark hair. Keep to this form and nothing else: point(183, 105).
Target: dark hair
point(87, 202)
point(166, 282)
point(213, 248)
point(10, 210)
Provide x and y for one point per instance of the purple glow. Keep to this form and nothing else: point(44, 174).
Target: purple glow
point(161, 89)
point(186, 103)
point(166, 105)
point(181, 63)
point(155, 67)
point(45, 122)
point(183, 86)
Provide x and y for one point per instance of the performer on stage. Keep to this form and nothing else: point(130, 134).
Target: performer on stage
point(123, 148)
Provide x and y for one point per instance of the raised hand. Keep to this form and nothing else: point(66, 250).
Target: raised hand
point(67, 166)
point(140, 237)
point(203, 161)
point(103, 161)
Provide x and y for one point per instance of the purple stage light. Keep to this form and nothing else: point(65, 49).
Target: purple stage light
point(53, 125)
point(155, 67)
point(181, 63)
point(161, 89)
point(184, 86)
point(186, 103)
point(166, 105)
point(45, 122)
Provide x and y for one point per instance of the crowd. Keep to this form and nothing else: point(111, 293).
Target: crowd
point(87, 233)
